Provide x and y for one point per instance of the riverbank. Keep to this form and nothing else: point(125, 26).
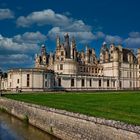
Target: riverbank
point(12, 128)
point(70, 126)
point(121, 106)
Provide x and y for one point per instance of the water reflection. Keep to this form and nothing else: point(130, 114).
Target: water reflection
point(13, 129)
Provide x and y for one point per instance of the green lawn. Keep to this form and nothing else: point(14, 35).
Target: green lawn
point(123, 106)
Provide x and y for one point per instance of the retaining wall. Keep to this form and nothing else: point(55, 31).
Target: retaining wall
point(71, 126)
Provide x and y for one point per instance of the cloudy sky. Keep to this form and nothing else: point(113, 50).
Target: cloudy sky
point(26, 24)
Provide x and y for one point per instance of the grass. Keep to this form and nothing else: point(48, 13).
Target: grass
point(122, 106)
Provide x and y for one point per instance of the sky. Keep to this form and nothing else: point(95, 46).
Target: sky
point(26, 24)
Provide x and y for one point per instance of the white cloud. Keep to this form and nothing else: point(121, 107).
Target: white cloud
point(113, 39)
point(7, 44)
point(81, 36)
point(18, 51)
point(60, 24)
point(134, 34)
point(25, 43)
point(49, 17)
point(6, 14)
point(45, 17)
point(15, 59)
point(30, 37)
point(133, 41)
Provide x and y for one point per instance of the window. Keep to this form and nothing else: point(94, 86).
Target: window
point(54, 82)
point(113, 83)
point(107, 83)
point(28, 80)
point(120, 84)
point(62, 53)
point(72, 82)
point(99, 83)
point(96, 70)
point(10, 84)
point(17, 81)
point(61, 66)
point(90, 82)
point(45, 76)
point(62, 59)
point(59, 81)
point(45, 83)
point(130, 84)
point(83, 82)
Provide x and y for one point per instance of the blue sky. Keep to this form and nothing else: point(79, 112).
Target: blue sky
point(25, 24)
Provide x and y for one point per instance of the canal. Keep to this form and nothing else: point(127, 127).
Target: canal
point(12, 128)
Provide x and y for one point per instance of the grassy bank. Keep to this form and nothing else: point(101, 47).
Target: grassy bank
point(123, 106)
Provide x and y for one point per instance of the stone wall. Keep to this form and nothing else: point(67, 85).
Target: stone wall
point(71, 126)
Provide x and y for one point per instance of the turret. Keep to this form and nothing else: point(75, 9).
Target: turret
point(37, 60)
point(73, 48)
point(116, 55)
point(120, 53)
point(93, 56)
point(51, 60)
point(93, 52)
point(43, 55)
point(66, 45)
point(57, 42)
point(43, 50)
point(112, 48)
point(87, 55)
point(106, 56)
point(102, 57)
point(82, 57)
point(102, 52)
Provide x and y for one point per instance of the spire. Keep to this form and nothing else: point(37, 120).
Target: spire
point(66, 45)
point(104, 43)
point(43, 49)
point(73, 40)
point(66, 36)
point(57, 41)
point(73, 48)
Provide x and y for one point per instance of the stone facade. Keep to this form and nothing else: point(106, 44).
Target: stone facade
point(117, 68)
point(29, 80)
point(71, 126)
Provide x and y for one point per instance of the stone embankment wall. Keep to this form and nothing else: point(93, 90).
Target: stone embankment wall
point(71, 126)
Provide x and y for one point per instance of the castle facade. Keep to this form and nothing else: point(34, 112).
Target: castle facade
point(68, 69)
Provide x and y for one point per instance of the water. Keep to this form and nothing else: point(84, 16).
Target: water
point(13, 129)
